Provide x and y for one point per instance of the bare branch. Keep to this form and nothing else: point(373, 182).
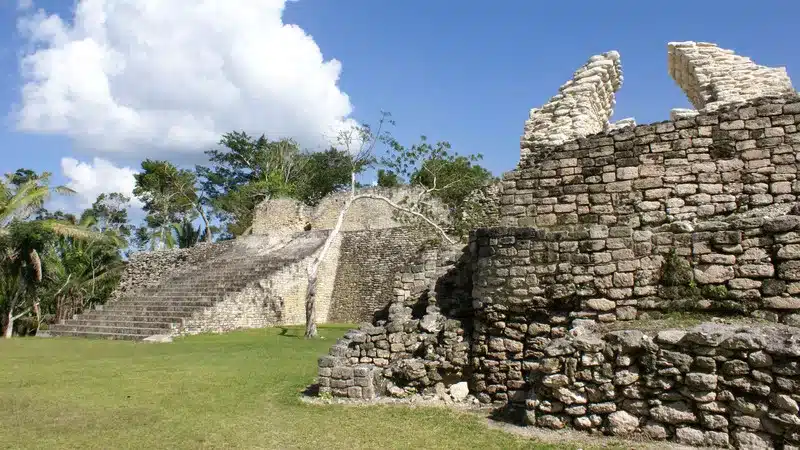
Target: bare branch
point(27, 310)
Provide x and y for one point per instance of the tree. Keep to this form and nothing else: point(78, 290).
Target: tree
point(78, 273)
point(22, 194)
point(110, 212)
point(388, 179)
point(451, 178)
point(169, 197)
point(249, 170)
point(245, 172)
point(323, 173)
point(186, 235)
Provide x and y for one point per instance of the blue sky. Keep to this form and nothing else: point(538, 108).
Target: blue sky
point(467, 71)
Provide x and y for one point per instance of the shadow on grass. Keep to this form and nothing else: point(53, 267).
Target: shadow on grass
point(323, 331)
point(292, 332)
point(311, 390)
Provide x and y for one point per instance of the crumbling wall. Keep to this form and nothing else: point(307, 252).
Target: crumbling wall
point(697, 213)
point(421, 342)
point(582, 106)
point(712, 77)
point(747, 265)
point(713, 385)
point(737, 158)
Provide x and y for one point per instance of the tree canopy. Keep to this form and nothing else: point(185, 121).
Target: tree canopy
point(247, 170)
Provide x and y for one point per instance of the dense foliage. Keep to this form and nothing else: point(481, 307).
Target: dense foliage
point(248, 170)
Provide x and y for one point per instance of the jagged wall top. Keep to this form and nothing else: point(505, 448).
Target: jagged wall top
point(582, 106)
point(711, 76)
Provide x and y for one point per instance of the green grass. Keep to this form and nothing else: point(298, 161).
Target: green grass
point(237, 390)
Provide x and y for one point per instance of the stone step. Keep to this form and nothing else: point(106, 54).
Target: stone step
point(111, 322)
point(145, 331)
point(155, 308)
point(142, 331)
point(125, 317)
point(233, 279)
point(87, 334)
point(194, 302)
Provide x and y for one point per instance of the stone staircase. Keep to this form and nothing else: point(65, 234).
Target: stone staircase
point(162, 309)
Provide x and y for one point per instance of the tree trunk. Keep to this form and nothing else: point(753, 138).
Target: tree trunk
point(311, 306)
point(9, 330)
point(313, 268)
point(9, 324)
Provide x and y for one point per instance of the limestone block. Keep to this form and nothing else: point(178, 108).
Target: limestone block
point(712, 77)
point(582, 106)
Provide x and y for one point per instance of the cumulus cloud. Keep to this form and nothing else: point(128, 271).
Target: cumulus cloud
point(142, 76)
point(89, 180)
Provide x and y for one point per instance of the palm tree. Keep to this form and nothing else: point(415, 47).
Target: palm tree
point(22, 194)
point(80, 272)
point(187, 235)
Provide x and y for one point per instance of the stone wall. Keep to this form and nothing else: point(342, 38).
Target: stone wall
point(368, 263)
point(712, 385)
point(284, 216)
point(699, 213)
point(711, 76)
point(255, 306)
point(421, 342)
point(582, 106)
point(742, 265)
point(713, 164)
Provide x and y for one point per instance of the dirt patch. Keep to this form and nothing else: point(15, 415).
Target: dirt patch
point(567, 438)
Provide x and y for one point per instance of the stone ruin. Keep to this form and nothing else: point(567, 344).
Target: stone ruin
point(604, 230)
point(712, 77)
point(260, 280)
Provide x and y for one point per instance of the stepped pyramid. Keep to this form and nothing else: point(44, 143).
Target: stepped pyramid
point(237, 287)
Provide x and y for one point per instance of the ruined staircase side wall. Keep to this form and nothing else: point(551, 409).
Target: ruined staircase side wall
point(713, 164)
point(369, 260)
point(424, 339)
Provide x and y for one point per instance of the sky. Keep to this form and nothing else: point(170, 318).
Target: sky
point(90, 88)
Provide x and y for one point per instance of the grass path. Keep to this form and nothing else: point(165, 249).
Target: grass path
point(237, 390)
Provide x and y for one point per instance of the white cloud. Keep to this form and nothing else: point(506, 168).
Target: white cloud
point(24, 4)
point(89, 180)
point(144, 76)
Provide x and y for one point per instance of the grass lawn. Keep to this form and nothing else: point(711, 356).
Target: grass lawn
point(237, 390)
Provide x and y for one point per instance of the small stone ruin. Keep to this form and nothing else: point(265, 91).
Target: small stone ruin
point(557, 317)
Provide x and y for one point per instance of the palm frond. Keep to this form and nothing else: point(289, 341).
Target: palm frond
point(73, 231)
point(64, 190)
point(27, 198)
